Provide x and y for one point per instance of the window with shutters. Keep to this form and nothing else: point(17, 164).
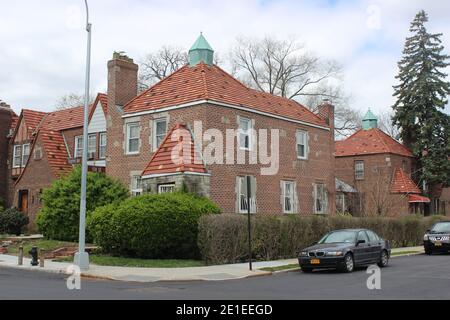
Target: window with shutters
point(288, 198)
point(302, 144)
point(242, 192)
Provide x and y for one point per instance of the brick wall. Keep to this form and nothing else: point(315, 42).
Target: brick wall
point(37, 176)
point(5, 123)
point(378, 174)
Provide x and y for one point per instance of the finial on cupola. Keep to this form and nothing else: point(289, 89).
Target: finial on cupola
point(201, 51)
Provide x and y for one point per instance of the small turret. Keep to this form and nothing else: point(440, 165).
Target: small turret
point(201, 51)
point(370, 121)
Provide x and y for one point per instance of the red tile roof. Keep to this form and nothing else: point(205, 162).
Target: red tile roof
point(413, 198)
point(373, 141)
point(176, 154)
point(32, 119)
point(63, 119)
point(204, 82)
point(55, 150)
point(402, 183)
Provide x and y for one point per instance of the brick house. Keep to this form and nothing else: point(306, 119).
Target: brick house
point(137, 126)
point(131, 138)
point(8, 120)
point(45, 146)
point(381, 170)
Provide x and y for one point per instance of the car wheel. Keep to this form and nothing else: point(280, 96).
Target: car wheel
point(349, 263)
point(384, 259)
point(428, 251)
point(306, 270)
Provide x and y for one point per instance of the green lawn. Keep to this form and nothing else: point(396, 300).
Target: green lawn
point(393, 254)
point(47, 245)
point(105, 260)
point(280, 268)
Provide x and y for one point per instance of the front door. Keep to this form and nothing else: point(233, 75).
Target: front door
point(23, 201)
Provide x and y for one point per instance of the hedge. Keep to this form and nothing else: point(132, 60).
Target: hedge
point(157, 226)
point(12, 221)
point(59, 217)
point(224, 238)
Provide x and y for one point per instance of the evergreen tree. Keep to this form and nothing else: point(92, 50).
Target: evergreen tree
point(421, 98)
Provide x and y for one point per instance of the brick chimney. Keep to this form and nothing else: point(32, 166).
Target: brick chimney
point(122, 87)
point(6, 116)
point(326, 112)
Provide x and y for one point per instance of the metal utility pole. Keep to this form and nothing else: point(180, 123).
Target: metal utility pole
point(249, 223)
point(82, 257)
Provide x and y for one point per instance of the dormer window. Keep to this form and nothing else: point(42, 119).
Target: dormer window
point(25, 154)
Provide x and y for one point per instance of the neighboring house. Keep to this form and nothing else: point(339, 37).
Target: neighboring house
point(138, 142)
point(381, 170)
point(8, 120)
point(45, 146)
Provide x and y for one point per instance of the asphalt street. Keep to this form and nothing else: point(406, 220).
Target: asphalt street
point(413, 277)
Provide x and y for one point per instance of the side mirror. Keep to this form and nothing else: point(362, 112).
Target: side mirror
point(360, 242)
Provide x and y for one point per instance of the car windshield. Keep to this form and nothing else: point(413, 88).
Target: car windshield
point(339, 237)
point(441, 227)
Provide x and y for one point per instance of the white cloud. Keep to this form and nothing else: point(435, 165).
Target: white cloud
point(43, 42)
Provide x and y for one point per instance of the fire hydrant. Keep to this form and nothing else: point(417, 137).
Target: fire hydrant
point(34, 256)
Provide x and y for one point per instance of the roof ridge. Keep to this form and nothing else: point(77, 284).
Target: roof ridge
point(155, 85)
point(397, 142)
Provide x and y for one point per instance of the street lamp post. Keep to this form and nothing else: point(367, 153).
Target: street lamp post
point(82, 257)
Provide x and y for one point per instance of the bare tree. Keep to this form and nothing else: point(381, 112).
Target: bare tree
point(281, 67)
point(158, 65)
point(385, 123)
point(71, 100)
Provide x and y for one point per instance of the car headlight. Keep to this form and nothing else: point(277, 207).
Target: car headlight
point(304, 253)
point(425, 237)
point(334, 253)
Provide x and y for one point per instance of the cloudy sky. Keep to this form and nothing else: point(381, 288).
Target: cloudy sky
point(42, 55)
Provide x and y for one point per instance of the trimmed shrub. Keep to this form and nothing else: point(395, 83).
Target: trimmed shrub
point(153, 226)
point(59, 217)
point(12, 221)
point(224, 239)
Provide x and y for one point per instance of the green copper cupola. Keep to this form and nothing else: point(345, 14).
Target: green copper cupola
point(370, 121)
point(201, 51)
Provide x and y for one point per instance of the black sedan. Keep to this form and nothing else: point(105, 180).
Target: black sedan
point(344, 250)
point(438, 238)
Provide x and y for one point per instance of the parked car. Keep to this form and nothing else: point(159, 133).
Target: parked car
point(344, 250)
point(437, 239)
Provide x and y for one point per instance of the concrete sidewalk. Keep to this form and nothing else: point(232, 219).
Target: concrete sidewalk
point(217, 273)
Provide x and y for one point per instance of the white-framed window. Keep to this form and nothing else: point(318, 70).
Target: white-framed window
point(359, 170)
point(25, 153)
point(136, 186)
point(17, 156)
point(133, 139)
point(320, 198)
point(288, 196)
point(159, 132)
point(244, 133)
point(78, 146)
point(102, 145)
point(302, 144)
point(166, 188)
point(242, 192)
point(92, 146)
